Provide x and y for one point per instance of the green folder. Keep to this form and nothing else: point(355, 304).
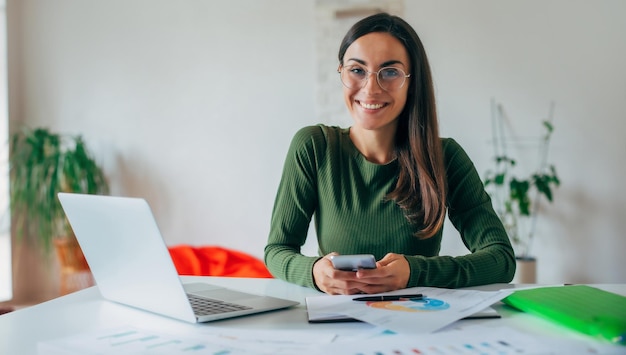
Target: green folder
point(586, 309)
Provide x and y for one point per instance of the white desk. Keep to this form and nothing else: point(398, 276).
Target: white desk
point(83, 311)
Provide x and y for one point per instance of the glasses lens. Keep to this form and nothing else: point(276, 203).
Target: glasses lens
point(353, 77)
point(391, 79)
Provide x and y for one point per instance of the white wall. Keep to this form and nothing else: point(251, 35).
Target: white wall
point(189, 104)
point(526, 54)
point(192, 104)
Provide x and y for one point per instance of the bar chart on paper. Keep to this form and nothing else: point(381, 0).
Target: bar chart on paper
point(434, 347)
point(130, 340)
point(486, 349)
point(465, 340)
point(203, 340)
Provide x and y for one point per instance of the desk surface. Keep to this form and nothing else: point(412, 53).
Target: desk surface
point(85, 310)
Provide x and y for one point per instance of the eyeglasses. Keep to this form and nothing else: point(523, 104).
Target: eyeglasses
point(388, 78)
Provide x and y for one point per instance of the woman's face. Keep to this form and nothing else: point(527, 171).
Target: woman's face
point(372, 107)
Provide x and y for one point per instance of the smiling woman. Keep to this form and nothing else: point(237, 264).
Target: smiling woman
point(383, 185)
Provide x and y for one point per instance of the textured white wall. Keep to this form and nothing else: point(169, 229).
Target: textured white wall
point(525, 54)
point(193, 104)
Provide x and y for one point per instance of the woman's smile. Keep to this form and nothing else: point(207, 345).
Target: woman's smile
point(371, 106)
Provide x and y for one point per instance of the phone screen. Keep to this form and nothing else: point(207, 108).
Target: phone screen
point(353, 262)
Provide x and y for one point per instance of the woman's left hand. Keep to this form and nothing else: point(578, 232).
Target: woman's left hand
point(392, 273)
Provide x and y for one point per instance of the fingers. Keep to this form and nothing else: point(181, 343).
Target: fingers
point(335, 282)
point(392, 273)
point(389, 258)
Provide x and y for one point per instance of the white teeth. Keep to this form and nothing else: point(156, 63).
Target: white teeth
point(371, 106)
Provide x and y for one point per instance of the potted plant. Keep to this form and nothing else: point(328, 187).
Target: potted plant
point(516, 198)
point(42, 164)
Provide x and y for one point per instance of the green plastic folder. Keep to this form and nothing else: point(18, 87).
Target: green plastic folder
point(586, 309)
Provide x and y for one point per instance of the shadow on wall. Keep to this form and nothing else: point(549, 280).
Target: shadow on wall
point(35, 273)
point(133, 178)
point(576, 234)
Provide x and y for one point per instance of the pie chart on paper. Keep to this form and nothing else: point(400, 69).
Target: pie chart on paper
point(409, 305)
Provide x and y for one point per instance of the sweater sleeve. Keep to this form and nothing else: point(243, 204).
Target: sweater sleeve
point(471, 212)
point(295, 203)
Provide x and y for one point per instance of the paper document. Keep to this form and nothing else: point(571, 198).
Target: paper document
point(437, 309)
point(475, 339)
point(204, 340)
point(317, 315)
point(127, 340)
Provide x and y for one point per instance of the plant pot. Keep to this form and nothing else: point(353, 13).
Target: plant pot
point(75, 272)
point(526, 272)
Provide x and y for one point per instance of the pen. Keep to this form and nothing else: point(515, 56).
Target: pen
point(389, 298)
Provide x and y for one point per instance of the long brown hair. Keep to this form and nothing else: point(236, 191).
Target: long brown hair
point(421, 187)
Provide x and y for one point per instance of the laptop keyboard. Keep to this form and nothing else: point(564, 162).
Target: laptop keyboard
point(206, 306)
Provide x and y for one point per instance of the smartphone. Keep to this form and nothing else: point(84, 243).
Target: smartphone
point(353, 262)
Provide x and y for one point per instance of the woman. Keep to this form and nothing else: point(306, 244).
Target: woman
point(383, 186)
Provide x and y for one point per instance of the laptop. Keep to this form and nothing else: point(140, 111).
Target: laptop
point(131, 264)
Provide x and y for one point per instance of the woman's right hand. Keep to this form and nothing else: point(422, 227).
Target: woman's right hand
point(335, 282)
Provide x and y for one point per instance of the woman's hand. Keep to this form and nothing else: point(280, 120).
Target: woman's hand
point(391, 273)
point(333, 281)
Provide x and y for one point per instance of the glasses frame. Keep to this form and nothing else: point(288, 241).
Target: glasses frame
point(367, 77)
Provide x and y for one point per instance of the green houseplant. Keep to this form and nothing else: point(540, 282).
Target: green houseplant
point(516, 197)
point(42, 164)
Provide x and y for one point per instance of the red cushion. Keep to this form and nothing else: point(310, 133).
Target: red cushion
point(216, 261)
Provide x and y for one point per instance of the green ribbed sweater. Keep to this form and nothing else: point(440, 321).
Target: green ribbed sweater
point(325, 176)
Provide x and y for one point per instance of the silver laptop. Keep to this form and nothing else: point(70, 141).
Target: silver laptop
point(132, 265)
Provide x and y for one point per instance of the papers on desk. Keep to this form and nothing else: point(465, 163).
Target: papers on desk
point(129, 340)
point(133, 340)
point(437, 309)
point(498, 337)
point(460, 339)
point(469, 339)
point(316, 315)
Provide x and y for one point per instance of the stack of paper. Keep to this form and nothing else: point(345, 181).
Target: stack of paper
point(437, 308)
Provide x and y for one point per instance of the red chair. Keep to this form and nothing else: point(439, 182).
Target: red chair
point(216, 261)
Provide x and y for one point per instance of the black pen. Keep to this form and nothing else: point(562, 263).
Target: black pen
point(389, 298)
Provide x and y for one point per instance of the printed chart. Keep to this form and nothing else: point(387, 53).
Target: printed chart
point(412, 305)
